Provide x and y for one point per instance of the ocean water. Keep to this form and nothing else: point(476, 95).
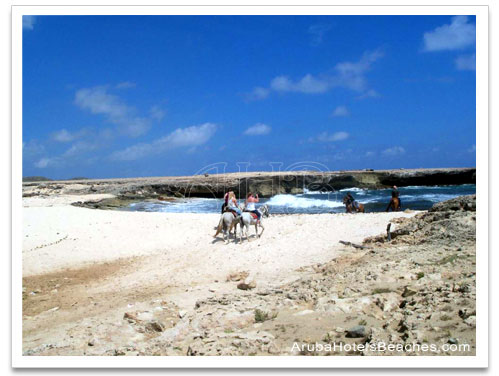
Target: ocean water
point(412, 197)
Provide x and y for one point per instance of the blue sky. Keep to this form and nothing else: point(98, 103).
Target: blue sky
point(124, 96)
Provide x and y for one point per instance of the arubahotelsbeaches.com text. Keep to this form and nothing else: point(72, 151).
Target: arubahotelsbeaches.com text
point(380, 347)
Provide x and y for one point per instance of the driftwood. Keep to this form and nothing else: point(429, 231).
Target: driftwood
point(354, 245)
point(388, 233)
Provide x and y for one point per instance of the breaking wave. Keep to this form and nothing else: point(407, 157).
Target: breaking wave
point(300, 202)
point(413, 197)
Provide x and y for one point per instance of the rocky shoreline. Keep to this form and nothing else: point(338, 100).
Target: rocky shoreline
point(266, 184)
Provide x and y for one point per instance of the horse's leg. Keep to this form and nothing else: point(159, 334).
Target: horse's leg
point(227, 228)
point(246, 231)
point(263, 229)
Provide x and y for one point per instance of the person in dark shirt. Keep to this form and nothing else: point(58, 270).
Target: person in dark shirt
point(352, 201)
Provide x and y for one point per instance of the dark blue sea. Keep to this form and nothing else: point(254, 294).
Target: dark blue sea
point(412, 197)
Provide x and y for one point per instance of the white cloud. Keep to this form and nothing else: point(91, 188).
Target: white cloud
point(157, 113)
point(125, 85)
point(472, 148)
point(308, 84)
point(457, 35)
point(43, 163)
point(258, 93)
point(393, 151)
point(329, 137)
point(32, 149)
point(370, 154)
point(350, 75)
point(64, 136)
point(28, 22)
point(98, 101)
point(341, 111)
point(181, 137)
point(258, 129)
point(317, 33)
point(466, 62)
point(371, 93)
point(79, 148)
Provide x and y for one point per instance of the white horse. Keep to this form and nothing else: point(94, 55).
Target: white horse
point(248, 219)
point(228, 221)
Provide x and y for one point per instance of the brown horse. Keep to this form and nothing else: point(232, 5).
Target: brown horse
point(350, 208)
point(394, 204)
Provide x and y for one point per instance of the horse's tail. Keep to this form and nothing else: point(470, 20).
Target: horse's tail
point(220, 225)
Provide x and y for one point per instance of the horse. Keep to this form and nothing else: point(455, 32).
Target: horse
point(352, 209)
point(227, 222)
point(248, 219)
point(394, 204)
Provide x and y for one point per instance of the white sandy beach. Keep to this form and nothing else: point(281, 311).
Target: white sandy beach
point(59, 236)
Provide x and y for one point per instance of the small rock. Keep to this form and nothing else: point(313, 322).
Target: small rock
point(130, 317)
point(408, 292)
point(92, 342)
point(181, 314)
point(358, 331)
point(304, 312)
point(246, 286)
point(155, 326)
point(452, 341)
point(471, 321)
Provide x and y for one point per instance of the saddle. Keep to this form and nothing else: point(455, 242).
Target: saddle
point(254, 216)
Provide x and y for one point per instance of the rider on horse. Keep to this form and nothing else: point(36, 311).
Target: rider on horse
point(232, 203)
point(396, 194)
point(395, 204)
point(250, 204)
point(352, 201)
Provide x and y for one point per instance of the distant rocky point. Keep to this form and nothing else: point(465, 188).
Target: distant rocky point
point(266, 184)
point(28, 179)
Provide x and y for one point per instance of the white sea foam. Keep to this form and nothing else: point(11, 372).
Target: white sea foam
point(353, 189)
point(432, 197)
point(300, 202)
